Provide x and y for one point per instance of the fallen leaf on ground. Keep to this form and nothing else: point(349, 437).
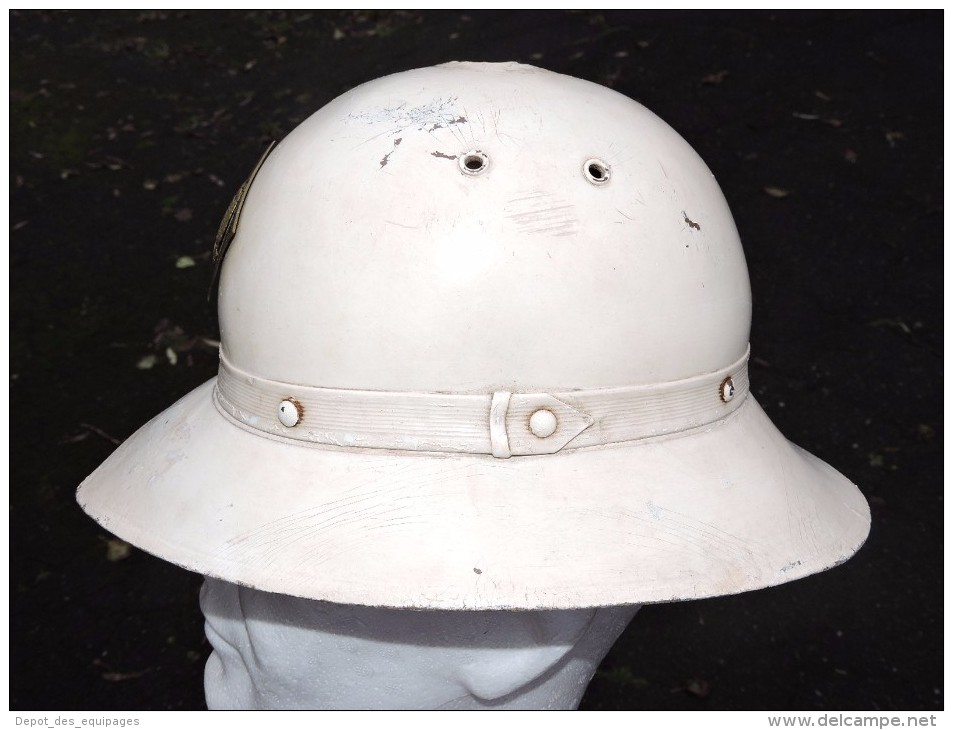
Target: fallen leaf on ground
point(111, 676)
point(715, 78)
point(99, 432)
point(893, 137)
point(622, 675)
point(117, 550)
point(698, 687)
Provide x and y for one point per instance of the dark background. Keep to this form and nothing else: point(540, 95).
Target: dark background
point(131, 131)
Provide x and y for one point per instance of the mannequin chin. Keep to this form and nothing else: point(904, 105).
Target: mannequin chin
point(272, 651)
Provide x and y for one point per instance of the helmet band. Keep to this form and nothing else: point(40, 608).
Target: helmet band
point(503, 424)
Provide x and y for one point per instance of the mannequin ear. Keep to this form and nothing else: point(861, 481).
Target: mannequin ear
point(538, 641)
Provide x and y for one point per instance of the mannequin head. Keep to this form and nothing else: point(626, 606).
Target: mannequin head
point(273, 651)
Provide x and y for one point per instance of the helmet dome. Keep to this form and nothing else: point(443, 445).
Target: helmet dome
point(484, 345)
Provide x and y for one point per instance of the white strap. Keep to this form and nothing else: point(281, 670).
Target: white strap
point(493, 423)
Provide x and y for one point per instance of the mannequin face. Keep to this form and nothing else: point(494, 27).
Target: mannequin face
point(273, 651)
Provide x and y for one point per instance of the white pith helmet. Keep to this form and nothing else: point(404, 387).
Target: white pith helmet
point(484, 345)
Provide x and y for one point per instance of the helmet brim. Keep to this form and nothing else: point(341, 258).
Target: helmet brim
point(727, 508)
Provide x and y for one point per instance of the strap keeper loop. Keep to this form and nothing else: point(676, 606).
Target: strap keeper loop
point(499, 441)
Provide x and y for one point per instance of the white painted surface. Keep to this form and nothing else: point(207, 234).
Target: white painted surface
point(527, 279)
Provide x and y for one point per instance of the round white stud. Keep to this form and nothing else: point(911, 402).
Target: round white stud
point(542, 423)
point(727, 389)
point(289, 412)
